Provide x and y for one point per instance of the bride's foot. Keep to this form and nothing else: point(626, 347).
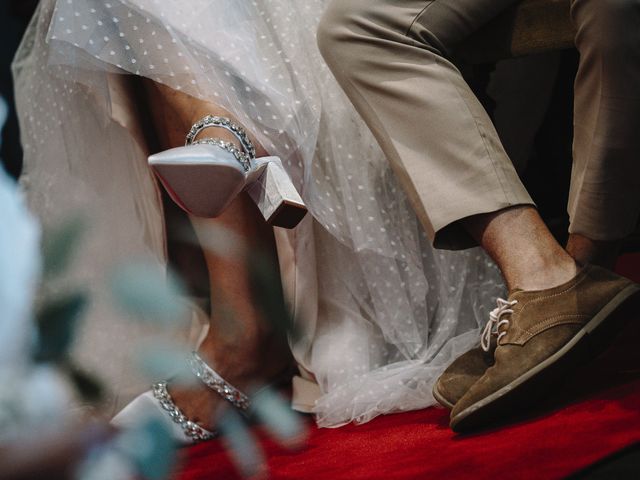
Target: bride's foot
point(194, 410)
point(245, 369)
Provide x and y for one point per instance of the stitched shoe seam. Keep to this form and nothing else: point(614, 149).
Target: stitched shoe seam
point(554, 295)
point(523, 339)
point(550, 322)
point(546, 297)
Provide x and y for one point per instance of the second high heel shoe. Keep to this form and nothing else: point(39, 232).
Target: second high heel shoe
point(158, 400)
point(206, 175)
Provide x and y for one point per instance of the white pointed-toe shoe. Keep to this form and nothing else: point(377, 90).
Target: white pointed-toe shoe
point(206, 175)
point(158, 400)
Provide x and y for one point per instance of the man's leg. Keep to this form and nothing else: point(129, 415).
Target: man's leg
point(390, 58)
point(604, 202)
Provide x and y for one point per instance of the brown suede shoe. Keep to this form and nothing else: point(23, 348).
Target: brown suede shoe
point(461, 374)
point(543, 335)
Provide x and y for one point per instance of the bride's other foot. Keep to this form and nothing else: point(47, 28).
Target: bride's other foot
point(158, 401)
point(257, 363)
point(193, 410)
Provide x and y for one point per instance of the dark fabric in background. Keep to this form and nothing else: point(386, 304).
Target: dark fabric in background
point(14, 18)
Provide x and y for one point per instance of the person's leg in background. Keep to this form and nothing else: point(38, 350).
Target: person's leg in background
point(604, 201)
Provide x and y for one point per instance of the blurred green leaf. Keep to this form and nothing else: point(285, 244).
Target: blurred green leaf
point(266, 289)
point(88, 386)
point(241, 444)
point(144, 289)
point(276, 414)
point(150, 447)
point(216, 239)
point(160, 360)
point(60, 244)
point(56, 322)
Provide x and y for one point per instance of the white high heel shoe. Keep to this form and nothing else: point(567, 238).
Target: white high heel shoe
point(158, 400)
point(206, 175)
point(183, 431)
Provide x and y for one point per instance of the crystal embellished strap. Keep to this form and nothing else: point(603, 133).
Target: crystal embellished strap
point(241, 157)
point(218, 384)
point(191, 429)
point(222, 122)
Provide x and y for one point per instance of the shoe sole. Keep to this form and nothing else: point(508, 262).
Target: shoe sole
point(204, 190)
point(193, 188)
point(587, 343)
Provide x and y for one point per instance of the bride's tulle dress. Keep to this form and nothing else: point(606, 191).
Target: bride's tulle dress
point(381, 312)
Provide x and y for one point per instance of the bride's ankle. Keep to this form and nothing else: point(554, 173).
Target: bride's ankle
point(207, 110)
point(198, 403)
point(244, 366)
point(257, 357)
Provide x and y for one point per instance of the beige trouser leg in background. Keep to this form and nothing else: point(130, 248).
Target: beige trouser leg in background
point(392, 59)
point(604, 200)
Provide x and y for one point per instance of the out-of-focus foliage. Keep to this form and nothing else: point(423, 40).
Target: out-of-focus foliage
point(147, 292)
point(60, 245)
point(57, 322)
point(20, 265)
point(40, 377)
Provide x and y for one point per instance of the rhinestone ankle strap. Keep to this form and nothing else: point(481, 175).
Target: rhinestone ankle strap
point(210, 121)
point(218, 384)
point(242, 158)
point(191, 429)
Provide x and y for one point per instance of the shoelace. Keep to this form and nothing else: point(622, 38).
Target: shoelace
point(496, 320)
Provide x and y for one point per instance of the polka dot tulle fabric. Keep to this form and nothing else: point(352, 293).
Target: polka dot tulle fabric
point(381, 313)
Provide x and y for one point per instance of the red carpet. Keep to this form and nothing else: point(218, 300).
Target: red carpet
point(599, 414)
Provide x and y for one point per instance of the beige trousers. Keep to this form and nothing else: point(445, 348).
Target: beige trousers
point(392, 58)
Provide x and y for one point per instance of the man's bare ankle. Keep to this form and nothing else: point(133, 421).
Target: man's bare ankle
point(545, 273)
point(520, 243)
